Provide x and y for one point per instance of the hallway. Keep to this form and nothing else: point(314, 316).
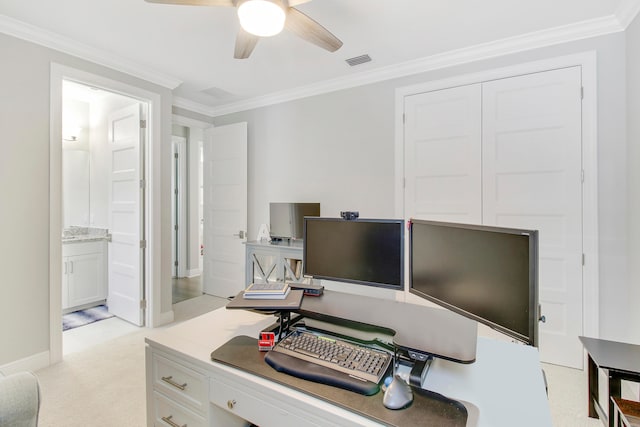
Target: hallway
point(185, 288)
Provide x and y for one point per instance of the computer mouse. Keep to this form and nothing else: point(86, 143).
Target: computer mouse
point(398, 394)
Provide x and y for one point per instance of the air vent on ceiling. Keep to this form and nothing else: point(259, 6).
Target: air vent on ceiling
point(357, 60)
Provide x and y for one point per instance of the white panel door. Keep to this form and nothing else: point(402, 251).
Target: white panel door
point(225, 209)
point(532, 179)
point(126, 288)
point(442, 155)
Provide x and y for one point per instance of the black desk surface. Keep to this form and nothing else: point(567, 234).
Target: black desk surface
point(613, 355)
point(428, 408)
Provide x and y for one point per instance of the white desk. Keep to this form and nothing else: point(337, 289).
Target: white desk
point(505, 383)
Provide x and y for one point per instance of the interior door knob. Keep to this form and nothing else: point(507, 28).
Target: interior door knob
point(240, 234)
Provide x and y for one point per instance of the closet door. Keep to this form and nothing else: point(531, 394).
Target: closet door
point(532, 178)
point(443, 155)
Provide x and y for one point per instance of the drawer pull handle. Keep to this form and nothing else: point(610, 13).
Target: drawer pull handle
point(173, 383)
point(231, 404)
point(170, 422)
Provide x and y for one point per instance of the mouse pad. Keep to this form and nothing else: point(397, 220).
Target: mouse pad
point(428, 408)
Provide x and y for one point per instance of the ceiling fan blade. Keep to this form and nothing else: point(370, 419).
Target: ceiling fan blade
point(195, 2)
point(245, 43)
point(308, 29)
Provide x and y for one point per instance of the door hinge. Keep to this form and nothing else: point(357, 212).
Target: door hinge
point(143, 244)
point(404, 118)
point(582, 175)
point(142, 183)
point(175, 227)
point(583, 259)
point(175, 191)
point(143, 304)
point(175, 155)
point(143, 124)
point(175, 263)
point(581, 92)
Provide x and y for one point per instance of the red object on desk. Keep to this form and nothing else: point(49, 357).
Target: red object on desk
point(267, 341)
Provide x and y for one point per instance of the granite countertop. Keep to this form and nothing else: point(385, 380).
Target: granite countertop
point(84, 234)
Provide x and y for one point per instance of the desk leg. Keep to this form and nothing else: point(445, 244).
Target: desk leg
point(593, 387)
point(615, 390)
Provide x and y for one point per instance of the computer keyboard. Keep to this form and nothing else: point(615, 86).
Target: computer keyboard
point(330, 361)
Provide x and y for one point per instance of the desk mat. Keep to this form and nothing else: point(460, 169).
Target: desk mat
point(428, 408)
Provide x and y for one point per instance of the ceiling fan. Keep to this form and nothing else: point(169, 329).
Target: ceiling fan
point(264, 18)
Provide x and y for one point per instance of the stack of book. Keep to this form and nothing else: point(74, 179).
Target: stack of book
point(273, 290)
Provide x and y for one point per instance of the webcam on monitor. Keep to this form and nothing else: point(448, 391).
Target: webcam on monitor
point(349, 215)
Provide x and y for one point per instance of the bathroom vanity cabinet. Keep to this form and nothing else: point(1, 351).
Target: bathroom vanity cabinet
point(84, 274)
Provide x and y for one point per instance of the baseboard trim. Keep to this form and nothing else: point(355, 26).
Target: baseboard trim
point(165, 318)
point(193, 273)
point(31, 363)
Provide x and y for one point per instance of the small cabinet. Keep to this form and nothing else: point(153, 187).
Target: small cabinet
point(273, 262)
point(84, 273)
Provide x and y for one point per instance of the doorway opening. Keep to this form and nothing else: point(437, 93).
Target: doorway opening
point(186, 208)
point(101, 165)
point(101, 168)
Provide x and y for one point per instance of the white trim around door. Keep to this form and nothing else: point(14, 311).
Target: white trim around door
point(154, 316)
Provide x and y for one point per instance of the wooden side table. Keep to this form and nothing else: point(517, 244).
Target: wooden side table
point(621, 361)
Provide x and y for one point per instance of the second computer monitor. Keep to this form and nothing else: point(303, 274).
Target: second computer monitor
point(489, 274)
point(362, 251)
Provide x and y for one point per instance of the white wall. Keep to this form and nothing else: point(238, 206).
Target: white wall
point(633, 164)
point(75, 163)
point(24, 192)
point(337, 148)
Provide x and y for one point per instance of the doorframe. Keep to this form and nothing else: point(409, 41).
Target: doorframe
point(195, 169)
point(588, 63)
point(152, 160)
point(179, 208)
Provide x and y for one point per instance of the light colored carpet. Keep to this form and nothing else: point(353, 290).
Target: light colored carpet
point(105, 385)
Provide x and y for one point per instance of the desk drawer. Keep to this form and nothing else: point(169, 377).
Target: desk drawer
point(180, 383)
point(169, 414)
point(251, 406)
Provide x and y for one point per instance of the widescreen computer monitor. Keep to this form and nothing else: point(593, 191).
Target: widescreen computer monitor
point(362, 251)
point(489, 274)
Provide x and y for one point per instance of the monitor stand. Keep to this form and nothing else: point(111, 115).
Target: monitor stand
point(419, 371)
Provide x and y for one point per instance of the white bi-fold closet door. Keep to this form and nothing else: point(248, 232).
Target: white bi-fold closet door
point(508, 152)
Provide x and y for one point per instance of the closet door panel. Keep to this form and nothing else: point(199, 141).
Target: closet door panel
point(532, 178)
point(442, 155)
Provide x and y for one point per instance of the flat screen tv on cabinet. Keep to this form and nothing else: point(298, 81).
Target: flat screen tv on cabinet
point(286, 219)
point(488, 274)
point(362, 251)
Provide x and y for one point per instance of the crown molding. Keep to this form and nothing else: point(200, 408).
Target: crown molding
point(189, 122)
point(193, 106)
point(627, 11)
point(534, 40)
point(31, 33)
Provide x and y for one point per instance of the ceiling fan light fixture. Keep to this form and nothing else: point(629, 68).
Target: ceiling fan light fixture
point(262, 18)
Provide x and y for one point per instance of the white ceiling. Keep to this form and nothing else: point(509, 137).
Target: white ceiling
point(190, 48)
